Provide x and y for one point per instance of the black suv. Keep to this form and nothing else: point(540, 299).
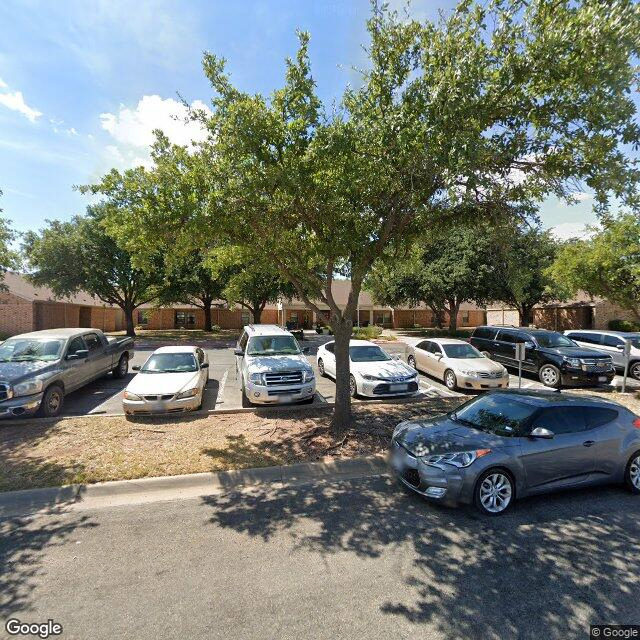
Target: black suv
point(556, 359)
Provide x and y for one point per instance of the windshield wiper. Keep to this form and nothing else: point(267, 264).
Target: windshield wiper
point(455, 418)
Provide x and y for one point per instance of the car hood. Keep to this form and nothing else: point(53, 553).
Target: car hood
point(163, 383)
point(475, 364)
point(14, 372)
point(271, 364)
point(444, 435)
point(388, 369)
point(575, 352)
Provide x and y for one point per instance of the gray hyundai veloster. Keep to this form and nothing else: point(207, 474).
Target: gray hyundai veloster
point(510, 444)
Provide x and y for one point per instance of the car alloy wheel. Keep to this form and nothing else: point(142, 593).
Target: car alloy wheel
point(633, 473)
point(411, 361)
point(52, 402)
point(635, 370)
point(450, 380)
point(124, 366)
point(549, 375)
point(321, 368)
point(494, 492)
point(353, 387)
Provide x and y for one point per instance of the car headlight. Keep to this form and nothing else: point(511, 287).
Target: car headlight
point(27, 388)
point(189, 393)
point(308, 376)
point(131, 396)
point(366, 376)
point(256, 378)
point(505, 371)
point(572, 362)
point(471, 374)
point(460, 459)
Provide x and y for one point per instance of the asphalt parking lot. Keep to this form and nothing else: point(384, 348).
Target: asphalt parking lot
point(223, 390)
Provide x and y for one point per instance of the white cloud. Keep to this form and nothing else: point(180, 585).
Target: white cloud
point(568, 230)
point(132, 128)
point(581, 196)
point(15, 101)
point(3, 84)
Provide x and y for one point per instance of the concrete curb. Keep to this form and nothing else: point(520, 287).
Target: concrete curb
point(144, 490)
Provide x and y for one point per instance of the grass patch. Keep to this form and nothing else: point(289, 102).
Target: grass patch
point(192, 336)
point(425, 332)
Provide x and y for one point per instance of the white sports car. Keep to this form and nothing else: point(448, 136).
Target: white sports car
point(172, 379)
point(374, 373)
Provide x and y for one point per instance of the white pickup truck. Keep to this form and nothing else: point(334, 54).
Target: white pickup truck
point(37, 369)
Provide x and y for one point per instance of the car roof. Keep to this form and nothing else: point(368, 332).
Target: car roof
point(266, 330)
point(545, 398)
point(355, 343)
point(444, 341)
point(606, 332)
point(176, 349)
point(56, 333)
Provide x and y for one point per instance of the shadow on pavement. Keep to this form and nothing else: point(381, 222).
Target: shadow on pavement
point(547, 569)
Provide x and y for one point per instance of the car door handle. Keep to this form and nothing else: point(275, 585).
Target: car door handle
point(588, 443)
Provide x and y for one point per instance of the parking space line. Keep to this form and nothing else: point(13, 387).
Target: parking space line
point(223, 381)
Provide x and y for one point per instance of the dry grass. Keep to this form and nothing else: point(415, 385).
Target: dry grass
point(192, 336)
point(87, 450)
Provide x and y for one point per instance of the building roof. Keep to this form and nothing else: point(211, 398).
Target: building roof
point(19, 285)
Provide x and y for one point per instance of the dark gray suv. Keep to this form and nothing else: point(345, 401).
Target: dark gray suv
point(505, 445)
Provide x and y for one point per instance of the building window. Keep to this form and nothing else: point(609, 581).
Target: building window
point(143, 317)
point(382, 318)
point(185, 319)
point(246, 317)
point(465, 318)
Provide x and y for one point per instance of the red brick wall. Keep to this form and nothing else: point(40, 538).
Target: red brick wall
point(53, 315)
point(405, 318)
point(16, 315)
point(560, 319)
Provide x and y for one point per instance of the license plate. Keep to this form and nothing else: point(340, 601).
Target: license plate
point(397, 387)
point(602, 378)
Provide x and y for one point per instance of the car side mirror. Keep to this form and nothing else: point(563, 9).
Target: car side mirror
point(396, 356)
point(305, 350)
point(620, 347)
point(529, 345)
point(238, 352)
point(541, 432)
point(204, 365)
point(136, 367)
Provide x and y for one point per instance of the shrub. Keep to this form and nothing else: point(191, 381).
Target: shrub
point(367, 333)
point(215, 328)
point(624, 325)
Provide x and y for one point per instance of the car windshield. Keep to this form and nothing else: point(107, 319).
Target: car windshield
point(21, 350)
point(273, 346)
point(554, 340)
point(170, 363)
point(368, 353)
point(461, 351)
point(496, 413)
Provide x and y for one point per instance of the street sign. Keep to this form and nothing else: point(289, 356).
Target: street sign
point(627, 352)
point(521, 352)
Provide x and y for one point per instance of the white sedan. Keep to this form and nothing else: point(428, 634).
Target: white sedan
point(172, 379)
point(374, 372)
point(458, 364)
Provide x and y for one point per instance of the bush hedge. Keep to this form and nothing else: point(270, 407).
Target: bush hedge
point(624, 325)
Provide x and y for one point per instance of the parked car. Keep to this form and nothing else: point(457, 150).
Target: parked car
point(457, 363)
point(510, 444)
point(373, 372)
point(554, 358)
point(38, 369)
point(272, 367)
point(611, 342)
point(172, 379)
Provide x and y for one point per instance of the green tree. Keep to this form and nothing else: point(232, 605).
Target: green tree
point(499, 103)
point(9, 259)
point(80, 256)
point(605, 265)
point(524, 256)
point(441, 272)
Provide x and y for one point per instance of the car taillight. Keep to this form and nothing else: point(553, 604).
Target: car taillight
point(636, 423)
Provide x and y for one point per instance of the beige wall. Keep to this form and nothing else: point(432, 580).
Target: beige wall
point(16, 314)
point(605, 311)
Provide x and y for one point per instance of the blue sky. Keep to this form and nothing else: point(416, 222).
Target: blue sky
point(83, 83)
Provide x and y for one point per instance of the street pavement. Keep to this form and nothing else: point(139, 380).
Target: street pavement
point(351, 559)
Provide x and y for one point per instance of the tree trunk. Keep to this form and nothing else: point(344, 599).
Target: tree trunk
point(128, 315)
point(437, 315)
point(208, 326)
point(453, 316)
point(526, 315)
point(257, 312)
point(342, 328)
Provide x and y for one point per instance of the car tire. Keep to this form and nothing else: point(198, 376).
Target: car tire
point(634, 370)
point(307, 400)
point(411, 361)
point(494, 493)
point(450, 380)
point(321, 371)
point(353, 387)
point(122, 368)
point(52, 402)
point(632, 473)
point(550, 375)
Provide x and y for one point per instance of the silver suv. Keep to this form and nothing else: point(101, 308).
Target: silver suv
point(272, 367)
point(611, 342)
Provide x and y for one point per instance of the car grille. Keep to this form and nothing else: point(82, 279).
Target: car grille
point(412, 477)
point(166, 396)
point(381, 389)
point(492, 375)
point(283, 377)
point(596, 364)
point(5, 391)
